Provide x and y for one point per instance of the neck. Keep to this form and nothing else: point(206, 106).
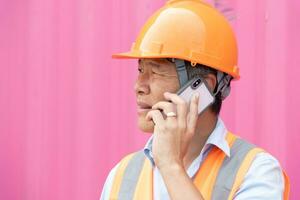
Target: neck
point(206, 123)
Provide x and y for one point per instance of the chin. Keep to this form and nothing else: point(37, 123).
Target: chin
point(144, 125)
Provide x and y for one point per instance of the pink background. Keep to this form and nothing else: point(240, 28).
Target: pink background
point(67, 110)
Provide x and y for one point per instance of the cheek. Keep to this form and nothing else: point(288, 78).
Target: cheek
point(159, 87)
point(173, 86)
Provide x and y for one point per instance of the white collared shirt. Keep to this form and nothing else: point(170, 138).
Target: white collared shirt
point(263, 181)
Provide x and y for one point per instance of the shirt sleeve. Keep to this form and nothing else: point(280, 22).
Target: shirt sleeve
point(108, 184)
point(263, 181)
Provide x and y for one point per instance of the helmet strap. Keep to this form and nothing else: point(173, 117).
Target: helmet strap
point(181, 71)
point(223, 83)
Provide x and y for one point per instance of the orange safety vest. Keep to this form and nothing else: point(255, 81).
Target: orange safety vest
point(219, 177)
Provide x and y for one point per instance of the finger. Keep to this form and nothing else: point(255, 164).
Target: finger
point(165, 106)
point(181, 106)
point(193, 114)
point(155, 116)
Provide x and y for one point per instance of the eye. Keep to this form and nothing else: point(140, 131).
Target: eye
point(157, 73)
point(141, 70)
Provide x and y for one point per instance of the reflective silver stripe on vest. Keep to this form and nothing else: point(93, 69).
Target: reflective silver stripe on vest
point(131, 176)
point(229, 169)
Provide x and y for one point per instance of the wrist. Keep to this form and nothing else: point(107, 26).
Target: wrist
point(171, 169)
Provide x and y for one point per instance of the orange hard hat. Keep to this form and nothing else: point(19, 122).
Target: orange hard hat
point(189, 30)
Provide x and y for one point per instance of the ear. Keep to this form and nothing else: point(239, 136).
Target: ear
point(211, 81)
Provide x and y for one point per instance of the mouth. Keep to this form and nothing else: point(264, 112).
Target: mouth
point(143, 107)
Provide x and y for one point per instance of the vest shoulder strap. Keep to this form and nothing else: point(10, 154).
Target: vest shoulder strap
point(234, 169)
point(286, 193)
point(132, 172)
point(219, 176)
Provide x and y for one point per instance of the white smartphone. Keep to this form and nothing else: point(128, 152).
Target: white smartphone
point(197, 85)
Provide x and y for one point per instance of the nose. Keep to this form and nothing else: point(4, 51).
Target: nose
point(141, 86)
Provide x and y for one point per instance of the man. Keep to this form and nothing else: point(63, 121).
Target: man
point(189, 156)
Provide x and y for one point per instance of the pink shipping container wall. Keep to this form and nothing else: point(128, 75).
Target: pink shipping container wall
point(67, 110)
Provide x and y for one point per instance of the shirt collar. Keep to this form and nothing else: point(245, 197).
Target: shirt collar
point(217, 138)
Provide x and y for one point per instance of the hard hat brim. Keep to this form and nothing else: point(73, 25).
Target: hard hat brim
point(138, 55)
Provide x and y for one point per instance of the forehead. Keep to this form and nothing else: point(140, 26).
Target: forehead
point(155, 62)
